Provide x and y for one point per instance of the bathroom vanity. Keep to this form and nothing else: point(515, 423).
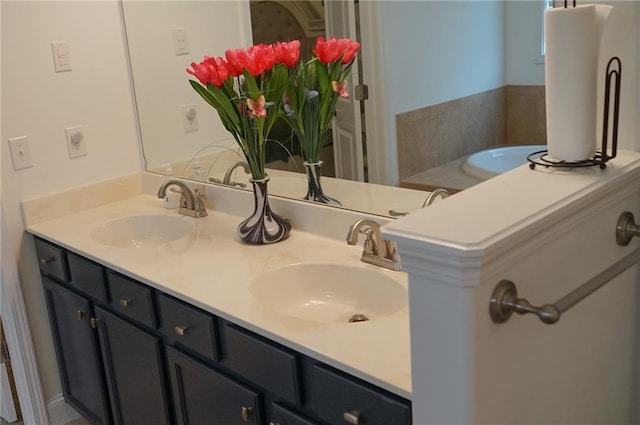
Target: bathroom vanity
point(173, 332)
point(316, 365)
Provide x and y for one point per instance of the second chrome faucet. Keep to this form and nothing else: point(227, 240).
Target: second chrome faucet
point(377, 250)
point(191, 202)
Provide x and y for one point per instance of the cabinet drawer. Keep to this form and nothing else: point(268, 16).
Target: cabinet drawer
point(87, 276)
point(339, 400)
point(132, 299)
point(52, 260)
point(268, 365)
point(282, 416)
point(188, 326)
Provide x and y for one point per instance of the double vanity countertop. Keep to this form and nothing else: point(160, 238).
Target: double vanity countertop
point(212, 269)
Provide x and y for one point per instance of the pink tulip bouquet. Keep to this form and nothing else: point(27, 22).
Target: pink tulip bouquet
point(313, 92)
point(246, 88)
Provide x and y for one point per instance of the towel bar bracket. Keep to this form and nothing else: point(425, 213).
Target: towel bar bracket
point(626, 229)
point(504, 301)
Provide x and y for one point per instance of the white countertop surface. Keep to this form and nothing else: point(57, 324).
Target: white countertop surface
point(213, 270)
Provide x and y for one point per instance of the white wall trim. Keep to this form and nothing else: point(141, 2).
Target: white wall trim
point(457, 255)
point(381, 154)
point(16, 326)
point(59, 411)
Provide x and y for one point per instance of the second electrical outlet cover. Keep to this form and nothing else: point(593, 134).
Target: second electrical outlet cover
point(76, 142)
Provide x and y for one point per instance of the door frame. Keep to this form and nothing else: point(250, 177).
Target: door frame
point(381, 154)
point(18, 335)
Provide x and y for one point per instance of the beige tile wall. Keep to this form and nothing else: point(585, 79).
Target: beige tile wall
point(442, 133)
point(526, 120)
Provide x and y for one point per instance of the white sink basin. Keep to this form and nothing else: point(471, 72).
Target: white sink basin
point(140, 230)
point(329, 293)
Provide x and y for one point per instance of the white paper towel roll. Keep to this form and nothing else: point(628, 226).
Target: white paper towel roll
point(572, 42)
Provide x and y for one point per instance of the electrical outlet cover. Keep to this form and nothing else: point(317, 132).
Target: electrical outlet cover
point(189, 115)
point(76, 142)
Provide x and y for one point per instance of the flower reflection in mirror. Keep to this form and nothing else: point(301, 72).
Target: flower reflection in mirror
point(310, 103)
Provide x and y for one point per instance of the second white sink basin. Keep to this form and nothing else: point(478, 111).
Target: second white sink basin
point(139, 230)
point(330, 293)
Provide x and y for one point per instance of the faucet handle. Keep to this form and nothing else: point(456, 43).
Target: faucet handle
point(198, 194)
point(199, 208)
point(370, 247)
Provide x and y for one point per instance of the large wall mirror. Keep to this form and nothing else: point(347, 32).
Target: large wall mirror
point(445, 79)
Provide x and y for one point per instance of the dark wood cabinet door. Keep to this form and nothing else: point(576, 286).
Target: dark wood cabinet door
point(203, 396)
point(78, 354)
point(135, 372)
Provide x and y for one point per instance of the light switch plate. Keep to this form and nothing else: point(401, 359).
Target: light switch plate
point(61, 56)
point(180, 41)
point(20, 154)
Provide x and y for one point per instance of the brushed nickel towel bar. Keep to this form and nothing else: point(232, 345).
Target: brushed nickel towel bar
point(504, 300)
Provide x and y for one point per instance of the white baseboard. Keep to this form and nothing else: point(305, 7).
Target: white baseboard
point(7, 407)
point(60, 412)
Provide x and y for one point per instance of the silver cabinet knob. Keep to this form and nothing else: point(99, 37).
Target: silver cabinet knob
point(94, 322)
point(180, 330)
point(125, 302)
point(80, 314)
point(352, 417)
point(45, 261)
point(246, 413)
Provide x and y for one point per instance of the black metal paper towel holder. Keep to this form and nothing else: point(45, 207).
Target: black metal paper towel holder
point(602, 155)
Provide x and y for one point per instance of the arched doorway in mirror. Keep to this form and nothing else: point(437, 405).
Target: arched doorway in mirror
point(344, 154)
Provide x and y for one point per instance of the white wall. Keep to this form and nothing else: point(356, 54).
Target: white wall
point(435, 51)
point(524, 64)
point(621, 38)
point(161, 82)
point(40, 103)
point(439, 50)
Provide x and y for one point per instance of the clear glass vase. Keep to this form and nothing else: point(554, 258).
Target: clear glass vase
point(263, 226)
point(314, 190)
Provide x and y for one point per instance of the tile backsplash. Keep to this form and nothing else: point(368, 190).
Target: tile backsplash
point(438, 134)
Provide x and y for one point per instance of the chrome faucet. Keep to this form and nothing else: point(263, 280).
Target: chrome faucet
point(377, 250)
point(443, 193)
point(439, 192)
point(226, 180)
point(191, 203)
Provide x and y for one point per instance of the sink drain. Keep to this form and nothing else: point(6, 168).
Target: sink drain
point(358, 318)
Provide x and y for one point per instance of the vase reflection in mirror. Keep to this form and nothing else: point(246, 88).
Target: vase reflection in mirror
point(310, 101)
point(263, 226)
point(314, 186)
